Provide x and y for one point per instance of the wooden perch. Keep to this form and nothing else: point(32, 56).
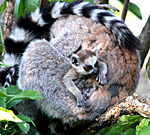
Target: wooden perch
point(9, 19)
point(145, 41)
point(125, 9)
point(131, 105)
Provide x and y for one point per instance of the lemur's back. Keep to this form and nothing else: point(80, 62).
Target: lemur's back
point(43, 66)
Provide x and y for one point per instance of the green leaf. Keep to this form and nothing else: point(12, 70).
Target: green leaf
point(134, 9)
point(4, 90)
point(148, 72)
point(12, 103)
point(142, 124)
point(2, 102)
point(2, 93)
point(23, 126)
point(2, 8)
point(19, 7)
point(31, 5)
point(130, 131)
point(148, 68)
point(13, 90)
point(22, 7)
point(127, 120)
point(27, 94)
point(2, 39)
point(148, 63)
point(119, 128)
point(25, 118)
point(8, 115)
point(144, 131)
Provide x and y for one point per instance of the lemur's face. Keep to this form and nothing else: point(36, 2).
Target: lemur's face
point(85, 62)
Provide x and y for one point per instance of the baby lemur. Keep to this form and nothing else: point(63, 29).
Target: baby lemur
point(84, 63)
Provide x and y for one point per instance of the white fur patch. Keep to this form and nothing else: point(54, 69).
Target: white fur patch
point(10, 59)
point(77, 8)
point(55, 13)
point(94, 14)
point(111, 18)
point(37, 17)
point(91, 61)
point(19, 34)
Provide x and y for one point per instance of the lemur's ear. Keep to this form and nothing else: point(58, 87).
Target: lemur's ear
point(96, 49)
point(75, 60)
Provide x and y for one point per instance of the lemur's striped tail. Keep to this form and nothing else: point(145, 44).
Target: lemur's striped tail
point(37, 26)
point(9, 76)
point(118, 28)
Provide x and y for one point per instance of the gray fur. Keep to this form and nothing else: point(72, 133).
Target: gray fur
point(45, 74)
point(44, 64)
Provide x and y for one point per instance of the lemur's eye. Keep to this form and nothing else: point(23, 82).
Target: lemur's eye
point(88, 68)
point(96, 64)
point(75, 62)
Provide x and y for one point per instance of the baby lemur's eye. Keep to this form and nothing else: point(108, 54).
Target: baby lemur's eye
point(96, 64)
point(75, 62)
point(88, 68)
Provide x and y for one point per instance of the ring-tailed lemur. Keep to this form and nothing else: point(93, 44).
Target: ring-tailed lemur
point(84, 63)
point(37, 24)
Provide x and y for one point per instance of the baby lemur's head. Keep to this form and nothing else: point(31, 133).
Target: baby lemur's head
point(85, 62)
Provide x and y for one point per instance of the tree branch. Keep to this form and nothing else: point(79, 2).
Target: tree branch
point(131, 105)
point(8, 19)
point(145, 41)
point(125, 9)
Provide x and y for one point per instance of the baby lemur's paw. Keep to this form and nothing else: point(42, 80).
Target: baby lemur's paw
point(86, 93)
point(80, 102)
point(101, 79)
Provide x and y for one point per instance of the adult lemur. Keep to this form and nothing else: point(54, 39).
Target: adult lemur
point(43, 64)
point(38, 23)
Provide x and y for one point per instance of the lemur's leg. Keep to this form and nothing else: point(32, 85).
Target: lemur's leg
point(68, 82)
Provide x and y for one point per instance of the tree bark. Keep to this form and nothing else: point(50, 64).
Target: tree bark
point(125, 9)
point(131, 105)
point(9, 19)
point(145, 41)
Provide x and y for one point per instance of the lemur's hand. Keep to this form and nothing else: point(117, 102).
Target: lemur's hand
point(101, 79)
point(80, 102)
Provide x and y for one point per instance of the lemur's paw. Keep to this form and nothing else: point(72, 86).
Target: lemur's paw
point(101, 79)
point(80, 102)
point(86, 94)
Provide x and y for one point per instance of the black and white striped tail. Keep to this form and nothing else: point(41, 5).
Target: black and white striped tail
point(37, 25)
point(118, 28)
point(9, 76)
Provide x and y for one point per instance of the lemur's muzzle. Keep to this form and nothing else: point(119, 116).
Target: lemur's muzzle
point(95, 71)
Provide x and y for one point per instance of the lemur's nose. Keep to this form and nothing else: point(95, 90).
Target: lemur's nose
point(95, 71)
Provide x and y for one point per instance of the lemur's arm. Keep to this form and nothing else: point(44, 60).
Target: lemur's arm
point(101, 78)
point(68, 82)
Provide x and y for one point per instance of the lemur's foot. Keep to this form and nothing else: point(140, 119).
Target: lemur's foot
point(86, 94)
point(80, 102)
point(102, 79)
